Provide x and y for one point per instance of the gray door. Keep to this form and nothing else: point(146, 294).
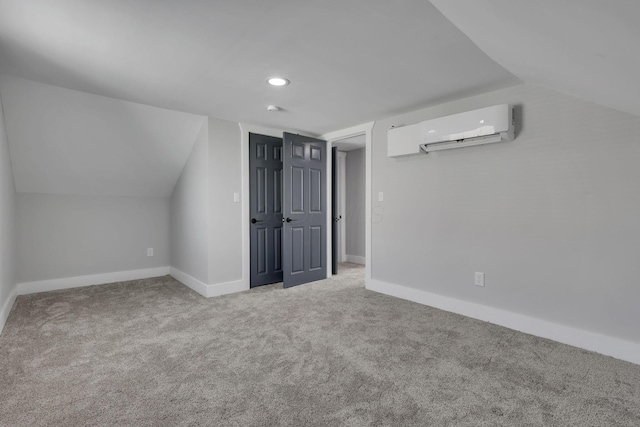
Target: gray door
point(334, 210)
point(265, 165)
point(304, 247)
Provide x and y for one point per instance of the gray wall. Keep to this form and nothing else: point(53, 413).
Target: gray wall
point(551, 218)
point(7, 217)
point(355, 202)
point(65, 236)
point(190, 213)
point(64, 141)
point(206, 228)
point(225, 221)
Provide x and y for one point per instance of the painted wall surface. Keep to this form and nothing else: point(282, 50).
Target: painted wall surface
point(551, 218)
point(355, 202)
point(65, 236)
point(68, 142)
point(190, 213)
point(7, 217)
point(225, 221)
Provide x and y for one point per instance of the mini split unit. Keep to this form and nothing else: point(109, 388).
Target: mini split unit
point(477, 127)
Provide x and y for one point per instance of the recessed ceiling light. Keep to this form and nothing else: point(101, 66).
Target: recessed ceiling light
point(277, 81)
point(273, 108)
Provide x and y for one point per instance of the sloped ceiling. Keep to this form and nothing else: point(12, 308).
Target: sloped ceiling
point(68, 142)
point(348, 61)
point(588, 49)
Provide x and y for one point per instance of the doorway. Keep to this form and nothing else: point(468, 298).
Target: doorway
point(338, 207)
point(350, 199)
point(365, 129)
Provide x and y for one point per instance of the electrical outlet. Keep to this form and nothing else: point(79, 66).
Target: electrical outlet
point(479, 279)
point(149, 251)
point(236, 197)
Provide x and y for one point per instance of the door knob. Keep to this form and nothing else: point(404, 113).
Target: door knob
point(288, 219)
point(253, 220)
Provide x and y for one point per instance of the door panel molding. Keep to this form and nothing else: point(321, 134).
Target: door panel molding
point(277, 260)
point(315, 248)
point(277, 191)
point(298, 254)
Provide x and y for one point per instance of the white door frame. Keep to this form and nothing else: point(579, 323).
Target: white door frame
point(342, 193)
point(365, 129)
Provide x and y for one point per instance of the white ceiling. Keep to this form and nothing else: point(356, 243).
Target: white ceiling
point(68, 142)
point(351, 143)
point(349, 61)
point(585, 48)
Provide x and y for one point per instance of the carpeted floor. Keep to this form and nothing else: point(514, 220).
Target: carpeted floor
point(154, 353)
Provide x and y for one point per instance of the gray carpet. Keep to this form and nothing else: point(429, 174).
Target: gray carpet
point(154, 353)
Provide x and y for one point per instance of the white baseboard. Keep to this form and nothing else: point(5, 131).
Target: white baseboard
point(356, 259)
point(93, 279)
point(218, 289)
point(603, 344)
point(7, 306)
point(212, 290)
point(189, 281)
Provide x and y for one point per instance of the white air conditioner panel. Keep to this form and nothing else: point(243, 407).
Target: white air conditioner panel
point(471, 124)
point(484, 126)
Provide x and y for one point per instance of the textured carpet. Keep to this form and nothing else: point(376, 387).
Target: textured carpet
point(154, 353)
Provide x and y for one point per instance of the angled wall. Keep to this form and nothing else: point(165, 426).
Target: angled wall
point(225, 221)
point(551, 218)
point(93, 177)
point(206, 221)
point(190, 216)
point(7, 226)
point(68, 142)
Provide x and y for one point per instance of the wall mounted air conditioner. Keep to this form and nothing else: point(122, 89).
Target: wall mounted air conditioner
point(477, 127)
